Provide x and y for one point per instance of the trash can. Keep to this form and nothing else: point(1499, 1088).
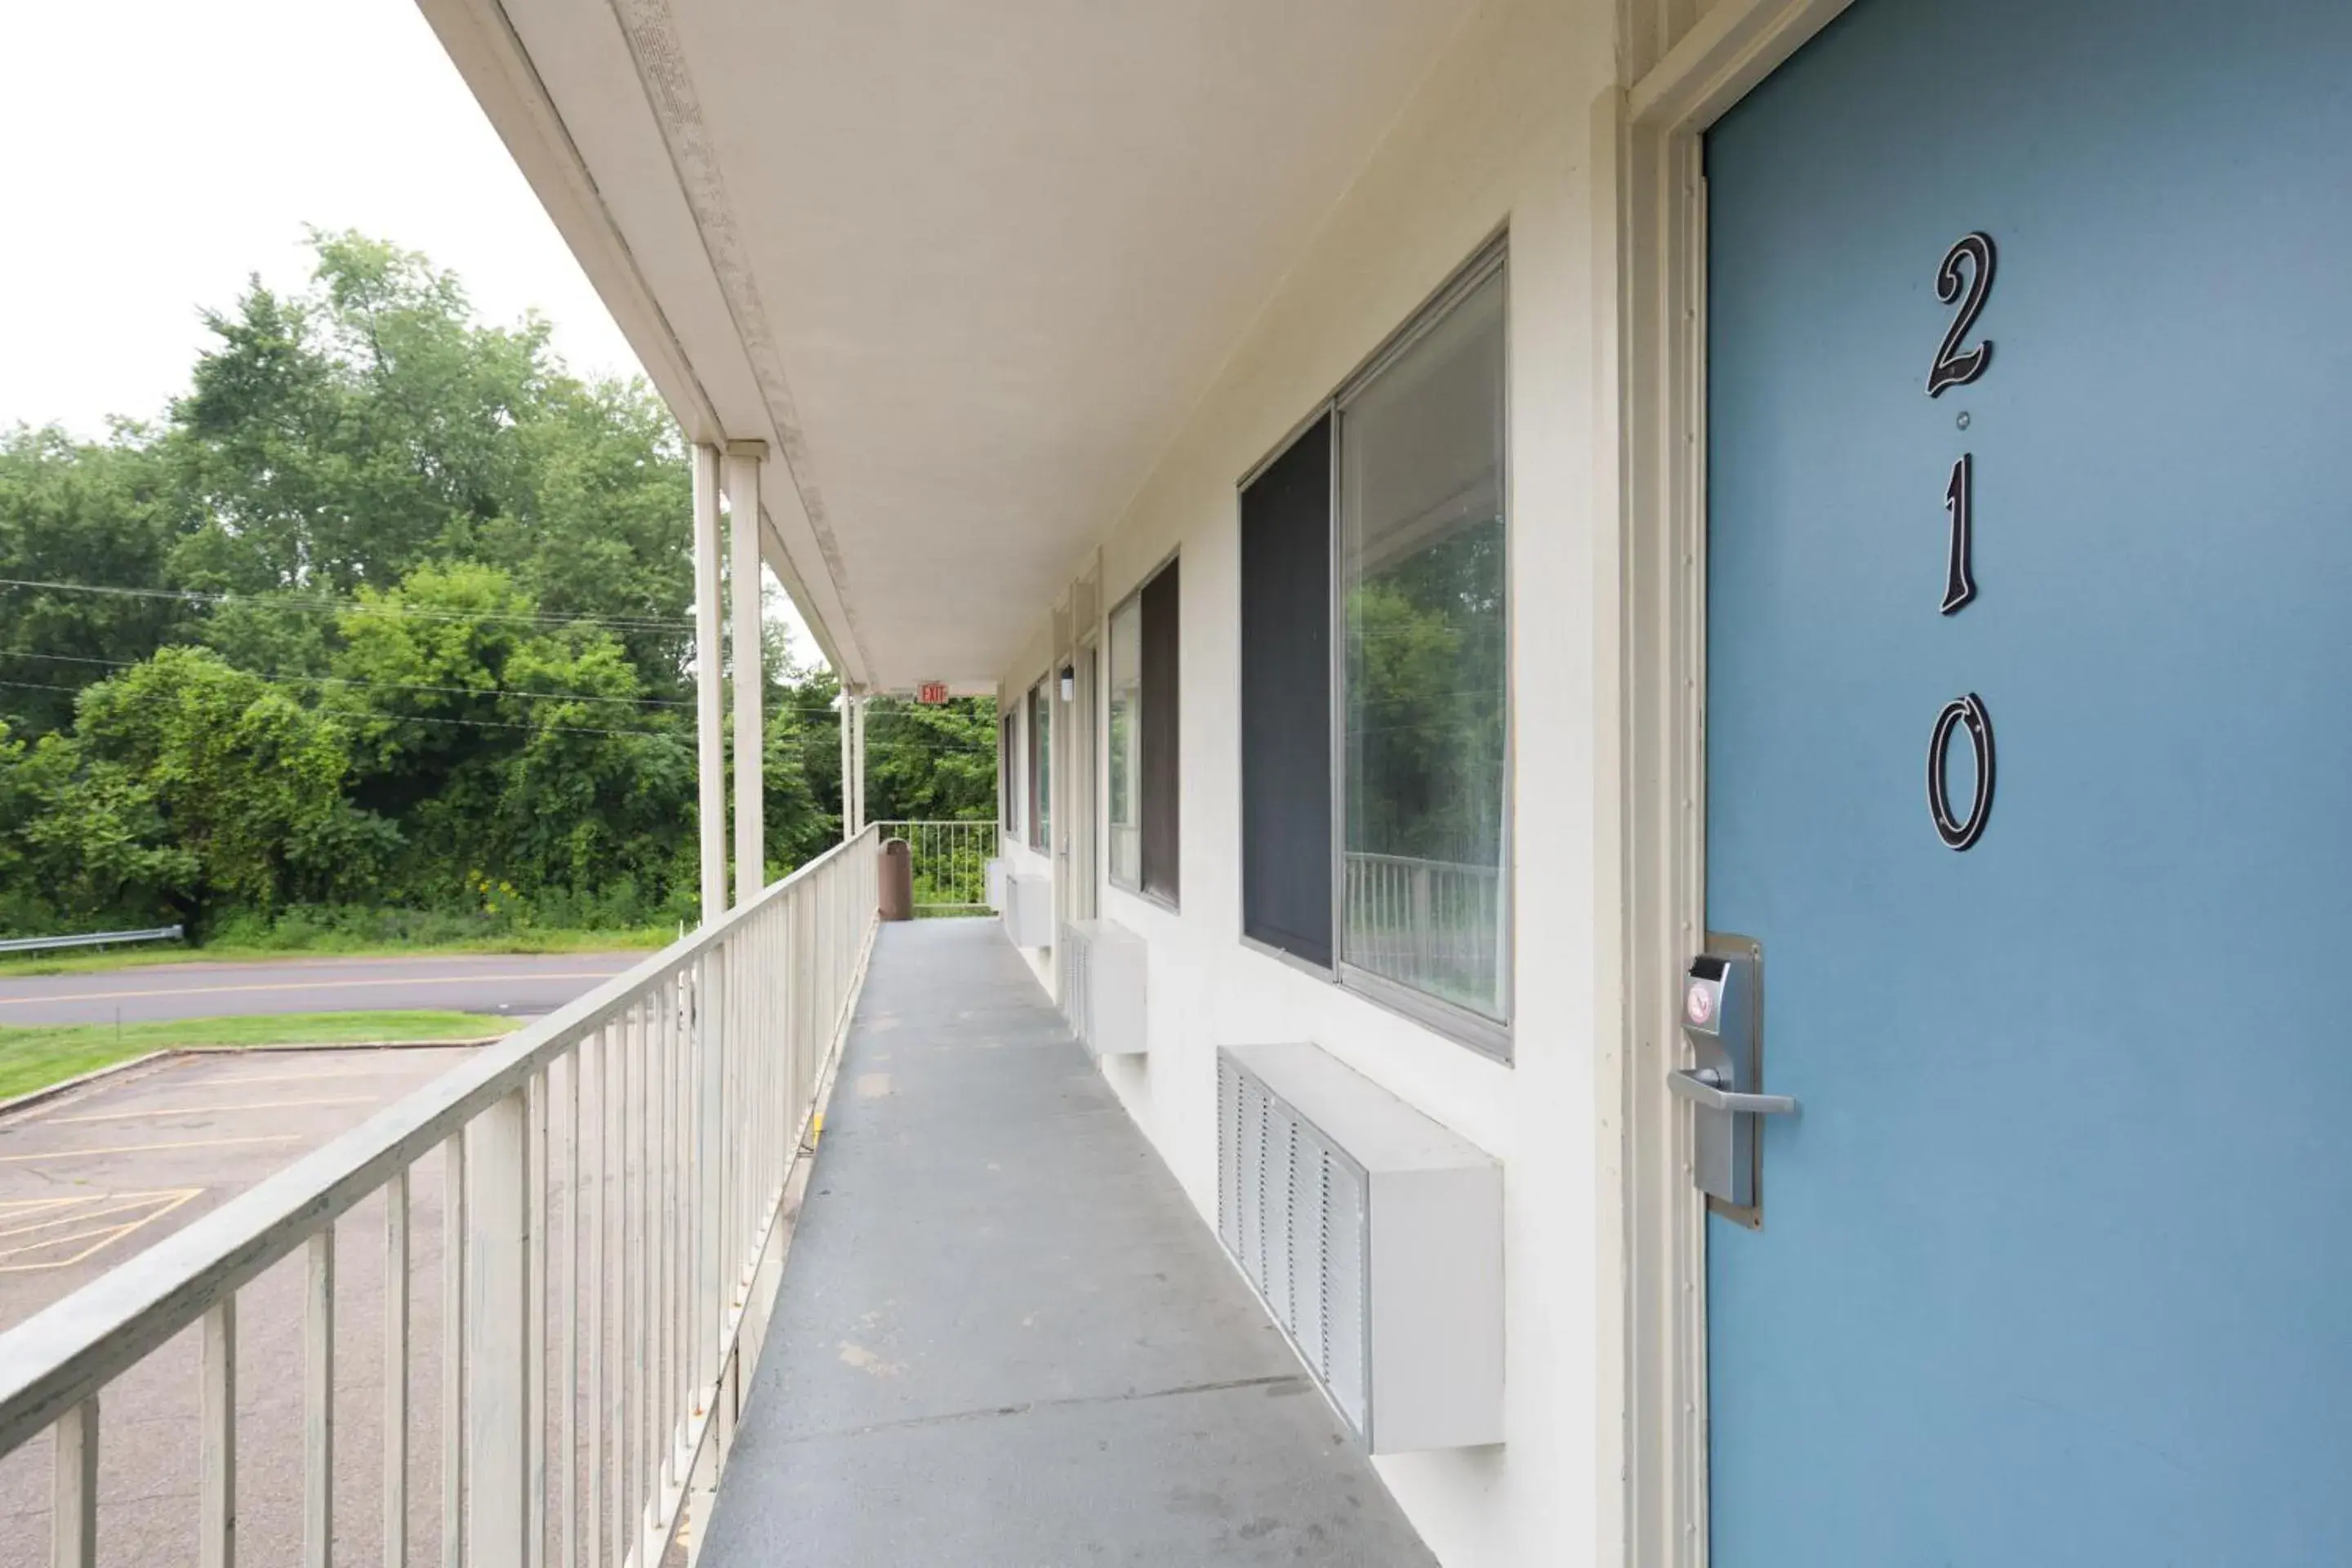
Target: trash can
point(897, 880)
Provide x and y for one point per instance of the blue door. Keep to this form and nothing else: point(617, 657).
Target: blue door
point(2056, 1265)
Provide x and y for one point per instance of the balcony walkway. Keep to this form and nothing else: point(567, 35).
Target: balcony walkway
point(1004, 1336)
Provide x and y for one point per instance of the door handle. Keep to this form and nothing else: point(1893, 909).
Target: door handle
point(1703, 1086)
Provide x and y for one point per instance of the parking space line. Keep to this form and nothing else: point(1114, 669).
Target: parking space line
point(157, 1203)
point(147, 1148)
point(90, 1207)
point(197, 1111)
point(355, 1070)
point(135, 993)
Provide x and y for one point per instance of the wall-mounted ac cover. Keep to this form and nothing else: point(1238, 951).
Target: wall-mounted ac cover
point(1028, 909)
point(1374, 1236)
point(1103, 976)
point(995, 870)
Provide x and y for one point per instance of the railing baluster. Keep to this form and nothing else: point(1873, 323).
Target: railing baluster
point(640, 1278)
point(665, 1123)
point(318, 1401)
point(453, 1350)
point(396, 1369)
point(616, 1221)
point(535, 1326)
point(73, 1519)
point(595, 1065)
point(217, 1438)
point(498, 1373)
point(568, 1412)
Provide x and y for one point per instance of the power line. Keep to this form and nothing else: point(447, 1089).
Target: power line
point(421, 719)
point(316, 605)
point(372, 685)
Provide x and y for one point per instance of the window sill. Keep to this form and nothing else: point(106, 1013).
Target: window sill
point(1482, 1036)
point(1159, 901)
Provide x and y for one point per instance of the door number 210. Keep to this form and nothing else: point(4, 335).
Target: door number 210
point(1968, 263)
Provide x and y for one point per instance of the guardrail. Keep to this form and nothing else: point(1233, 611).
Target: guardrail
point(1433, 924)
point(89, 939)
point(611, 1181)
point(950, 861)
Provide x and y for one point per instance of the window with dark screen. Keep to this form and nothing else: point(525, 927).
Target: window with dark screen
point(1375, 691)
point(1145, 763)
point(1286, 699)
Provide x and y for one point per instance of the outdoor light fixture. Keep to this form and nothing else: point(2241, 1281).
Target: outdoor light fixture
point(1069, 683)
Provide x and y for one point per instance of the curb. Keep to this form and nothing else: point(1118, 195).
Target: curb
point(32, 1097)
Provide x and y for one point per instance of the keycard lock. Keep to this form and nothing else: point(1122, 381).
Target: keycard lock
point(1723, 1019)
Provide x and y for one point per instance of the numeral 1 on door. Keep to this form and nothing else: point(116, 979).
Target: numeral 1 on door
point(1959, 503)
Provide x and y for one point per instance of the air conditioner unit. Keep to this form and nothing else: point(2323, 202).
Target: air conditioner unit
point(1374, 1236)
point(1103, 986)
point(995, 870)
point(1028, 909)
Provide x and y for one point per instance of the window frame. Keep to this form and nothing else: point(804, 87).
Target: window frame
point(1488, 1036)
point(1171, 897)
point(1037, 747)
point(1008, 752)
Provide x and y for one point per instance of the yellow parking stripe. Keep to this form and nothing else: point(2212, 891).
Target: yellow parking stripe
point(147, 1148)
point(198, 1110)
point(160, 1203)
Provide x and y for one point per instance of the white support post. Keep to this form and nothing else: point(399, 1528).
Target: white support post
point(498, 1339)
point(857, 764)
point(711, 745)
point(848, 784)
point(745, 460)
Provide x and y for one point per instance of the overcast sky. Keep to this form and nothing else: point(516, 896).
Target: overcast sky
point(159, 150)
point(163, 151)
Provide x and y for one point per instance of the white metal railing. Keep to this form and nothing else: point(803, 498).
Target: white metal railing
point(950, 861)
point(610, 1184)
point(1435, 925)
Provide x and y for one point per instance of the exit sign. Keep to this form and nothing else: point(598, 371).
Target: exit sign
point(932, 691)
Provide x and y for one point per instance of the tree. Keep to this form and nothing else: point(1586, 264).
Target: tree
point(77, 512)
point(247, 780)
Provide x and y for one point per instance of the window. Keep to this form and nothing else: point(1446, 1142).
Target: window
point(1041, 762)
point(1145, 708)
point(1286, 701)
point(1373, 564)
point(1007, 754)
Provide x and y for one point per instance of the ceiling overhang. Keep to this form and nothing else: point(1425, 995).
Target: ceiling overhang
point(966, 269)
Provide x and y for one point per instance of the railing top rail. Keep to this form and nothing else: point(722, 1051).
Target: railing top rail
point(1371, 858)
point(58, 1357)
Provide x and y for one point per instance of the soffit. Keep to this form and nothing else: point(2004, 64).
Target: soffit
point(967, 267)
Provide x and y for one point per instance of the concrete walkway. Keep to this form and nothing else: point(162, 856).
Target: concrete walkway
point(1005, 1339)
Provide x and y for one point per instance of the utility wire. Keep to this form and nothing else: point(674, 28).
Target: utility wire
point(420, 718)
point(316, 605)
point(372, 685)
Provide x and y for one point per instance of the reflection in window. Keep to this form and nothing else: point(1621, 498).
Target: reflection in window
point(1041, 763)
point(1421, 564)
point(1126, 743)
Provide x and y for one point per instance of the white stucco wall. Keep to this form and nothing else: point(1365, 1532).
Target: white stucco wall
point(1498, 134)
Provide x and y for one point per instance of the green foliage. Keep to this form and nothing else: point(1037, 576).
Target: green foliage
point(408, 620)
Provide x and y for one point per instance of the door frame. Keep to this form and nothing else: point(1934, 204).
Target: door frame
point(1650, 226)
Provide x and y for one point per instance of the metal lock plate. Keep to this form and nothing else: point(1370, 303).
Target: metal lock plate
point(1722, 1011)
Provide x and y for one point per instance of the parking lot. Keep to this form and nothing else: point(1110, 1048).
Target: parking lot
point(90, 1179)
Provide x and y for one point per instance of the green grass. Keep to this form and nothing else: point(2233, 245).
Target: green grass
point(335, 945)
point(35, 1058)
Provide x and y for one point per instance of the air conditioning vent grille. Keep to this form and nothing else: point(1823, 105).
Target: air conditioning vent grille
point(1290, 1209)
point(1374, 1235)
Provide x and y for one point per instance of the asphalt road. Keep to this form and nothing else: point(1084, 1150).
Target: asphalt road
point(519, 985)
point(105, 1173)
